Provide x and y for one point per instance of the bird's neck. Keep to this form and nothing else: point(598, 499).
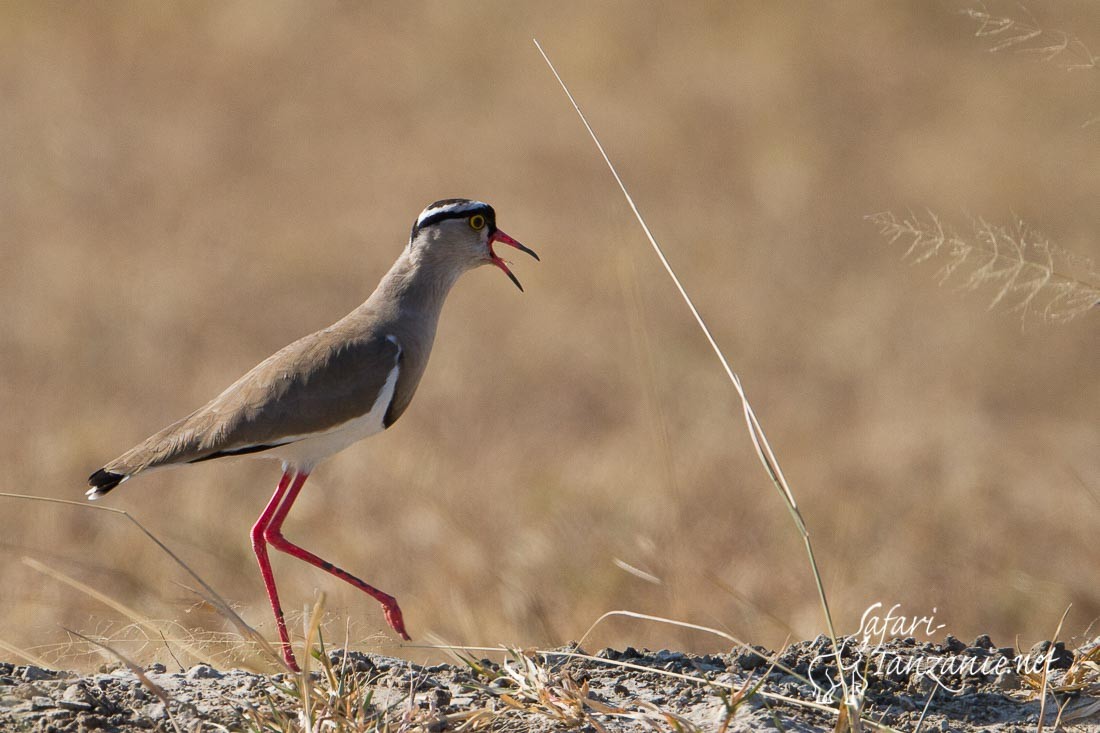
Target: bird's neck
point(417, 283)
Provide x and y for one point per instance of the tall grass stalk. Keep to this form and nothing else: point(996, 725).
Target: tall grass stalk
point(756, 432)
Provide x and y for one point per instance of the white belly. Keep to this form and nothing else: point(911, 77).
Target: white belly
point(308, 450)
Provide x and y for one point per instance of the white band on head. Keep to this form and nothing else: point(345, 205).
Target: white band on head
point(450, 208)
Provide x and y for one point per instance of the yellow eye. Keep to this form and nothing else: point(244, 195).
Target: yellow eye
point(477, 222)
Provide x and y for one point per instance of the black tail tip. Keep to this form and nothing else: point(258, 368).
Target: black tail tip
point(103, 481)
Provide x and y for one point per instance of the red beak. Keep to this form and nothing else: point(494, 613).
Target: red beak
point(499, 236)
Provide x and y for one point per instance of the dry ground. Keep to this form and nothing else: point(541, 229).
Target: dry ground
point(189, 187)
point(627, 691)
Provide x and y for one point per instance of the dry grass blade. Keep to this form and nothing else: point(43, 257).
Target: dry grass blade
point(140, 620)
point(137, 672)
point(210, 595)
point(736, 695)
point(696, 627)
point(35, 660)
point(763, 448)
point(531, 685)
point(1028, 272)
point(1046, 674)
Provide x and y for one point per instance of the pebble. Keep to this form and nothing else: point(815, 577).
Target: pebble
point(41, 703)
point(203, 672)
point(34, 674)
point(983, 641)
point(78, 706)
point(665, 655)
point(156, 711)
point(1061, 659)
point(1008, 680)
point(747, 660)
point(951, 644)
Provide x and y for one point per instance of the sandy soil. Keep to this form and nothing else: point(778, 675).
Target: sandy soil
point(626, 690)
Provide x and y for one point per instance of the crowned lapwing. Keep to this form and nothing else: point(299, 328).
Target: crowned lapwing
point(332, 388)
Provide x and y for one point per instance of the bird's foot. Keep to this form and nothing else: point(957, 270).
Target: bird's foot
point(288, 657)
point(393, 617)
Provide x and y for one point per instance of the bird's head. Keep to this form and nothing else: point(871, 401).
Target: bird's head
point(461, 233)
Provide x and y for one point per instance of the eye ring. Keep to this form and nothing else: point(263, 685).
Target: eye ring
point(477, 222)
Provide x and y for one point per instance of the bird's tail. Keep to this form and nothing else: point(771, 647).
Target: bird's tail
point(173, 444)
point(103, 481)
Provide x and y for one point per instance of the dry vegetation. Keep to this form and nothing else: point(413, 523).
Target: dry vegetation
point(187, 188)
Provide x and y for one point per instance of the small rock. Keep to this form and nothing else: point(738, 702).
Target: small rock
point(983, 641)
point(1060, 658)
point(156, 711)
point(747, 660)
point(78, 706)
point(90, 722)
point(951, 644)
point(31, 673)
point(156, 668)
point(41, 702)
point(1008, 680)
point(73, 692)
point(924, 684)
point(203, 672)
point(9, 701)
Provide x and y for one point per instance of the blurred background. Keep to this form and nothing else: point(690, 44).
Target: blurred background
point(188, 187)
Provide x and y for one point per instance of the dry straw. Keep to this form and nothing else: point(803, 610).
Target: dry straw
point(756, 432)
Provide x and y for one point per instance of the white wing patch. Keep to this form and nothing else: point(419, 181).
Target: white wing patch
point(306, 451)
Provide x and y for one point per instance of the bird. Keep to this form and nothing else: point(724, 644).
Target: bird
point(332, 388)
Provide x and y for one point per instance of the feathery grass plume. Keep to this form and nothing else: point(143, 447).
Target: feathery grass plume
point(1028, 273)
point(1025, 35)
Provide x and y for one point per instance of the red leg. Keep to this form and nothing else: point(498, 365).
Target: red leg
point(259, 546)
point(273, 534)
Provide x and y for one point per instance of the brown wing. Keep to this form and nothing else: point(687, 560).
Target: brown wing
point(317, 383)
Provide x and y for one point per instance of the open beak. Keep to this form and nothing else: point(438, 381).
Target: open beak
point(499, 236)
